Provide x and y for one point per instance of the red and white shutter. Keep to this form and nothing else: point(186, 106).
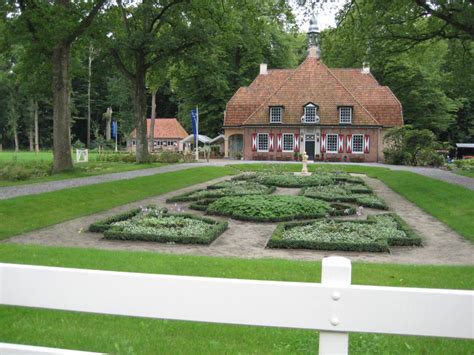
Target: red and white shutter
point(254, 142)
point(323, 143)
point(297, 142)
point(341, 143)
point(270, 142)
point(279, 142)
point(349, 143)
point(366, 144)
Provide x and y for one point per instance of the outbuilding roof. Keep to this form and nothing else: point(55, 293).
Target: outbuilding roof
point(165, 128)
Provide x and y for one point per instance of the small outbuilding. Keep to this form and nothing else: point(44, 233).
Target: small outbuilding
point(464, 150)
point(168, 132)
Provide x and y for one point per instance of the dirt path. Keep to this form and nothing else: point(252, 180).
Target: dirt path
point(248, 240)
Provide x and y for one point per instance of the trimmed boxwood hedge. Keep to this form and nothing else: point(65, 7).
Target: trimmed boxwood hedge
point(215, 229)
point(102, 225)
point(272, 208)
point(201, 205)
point(229, 189)
point(366, 243)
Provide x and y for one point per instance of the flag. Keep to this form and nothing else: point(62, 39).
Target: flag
point(114, 129)
point(195, 123)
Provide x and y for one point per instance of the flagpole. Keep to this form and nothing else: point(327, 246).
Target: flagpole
point(197, 133)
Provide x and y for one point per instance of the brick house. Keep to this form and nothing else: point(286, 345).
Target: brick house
point(333, 114)
point(168, 133)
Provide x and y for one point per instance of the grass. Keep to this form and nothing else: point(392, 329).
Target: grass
point(451, 204)
point(28, 213)
point(465, 173)
point(129, 335)
point(91, 168)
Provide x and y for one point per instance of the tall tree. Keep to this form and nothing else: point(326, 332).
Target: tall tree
point(52, 28)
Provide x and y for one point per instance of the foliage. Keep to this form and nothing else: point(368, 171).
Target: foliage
point(406, 145)
point(159, 157)
point(21, 171)
point(450, 203)
point(287, 180)
point(373, 235)
point(465, 164)
point(225, 189)
point(154, 224)
point(273, 208)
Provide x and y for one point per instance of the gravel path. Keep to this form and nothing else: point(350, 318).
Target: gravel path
point(32, 189)
point(442, 246)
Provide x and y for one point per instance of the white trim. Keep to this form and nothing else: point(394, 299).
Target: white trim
point(258, 141)
point(283, 142)
point(271, 116)
point(352, 144)
point(340, 115)
point(327, 143)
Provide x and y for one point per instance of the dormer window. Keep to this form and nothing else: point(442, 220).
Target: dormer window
point(276, 114)
point(345, 115)
point(310, 114)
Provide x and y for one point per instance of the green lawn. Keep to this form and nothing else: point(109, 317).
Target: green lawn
point(129, 335)
point(28, 213)
point(451, 204)
point(465, 173)
point(91, 168)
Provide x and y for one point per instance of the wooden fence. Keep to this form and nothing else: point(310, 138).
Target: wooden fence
point(335, 307)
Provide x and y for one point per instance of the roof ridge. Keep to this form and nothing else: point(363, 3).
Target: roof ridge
point(273, 94)
point(350, 93)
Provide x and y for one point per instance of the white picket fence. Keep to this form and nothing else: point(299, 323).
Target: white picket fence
point(335, 307)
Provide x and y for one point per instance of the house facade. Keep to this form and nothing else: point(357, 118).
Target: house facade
point(332, 114)
point(168, 133)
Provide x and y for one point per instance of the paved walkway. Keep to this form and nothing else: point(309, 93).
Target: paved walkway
point(32, 189)
point(442, 246)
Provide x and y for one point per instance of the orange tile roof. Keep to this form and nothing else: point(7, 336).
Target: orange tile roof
point(165, 128)
point(314, 82)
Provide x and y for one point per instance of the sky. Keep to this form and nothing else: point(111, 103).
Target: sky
point(325, 15)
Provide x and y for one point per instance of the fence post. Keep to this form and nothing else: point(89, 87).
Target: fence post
point(336, 272)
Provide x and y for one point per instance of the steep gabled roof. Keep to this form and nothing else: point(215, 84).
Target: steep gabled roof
point(313, 81)
point(165, 128)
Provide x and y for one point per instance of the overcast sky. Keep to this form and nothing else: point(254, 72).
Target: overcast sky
point(325, 16)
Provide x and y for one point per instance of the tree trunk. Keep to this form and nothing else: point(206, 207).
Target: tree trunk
point(30, 124)
point(152, 120)
point(88, 139)
point(108, 124)
point(139, 109)
point(15, 138)
point(35, 109)
point(61, 110)
point(30, 139)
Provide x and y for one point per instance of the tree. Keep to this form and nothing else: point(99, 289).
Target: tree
point(52, 28)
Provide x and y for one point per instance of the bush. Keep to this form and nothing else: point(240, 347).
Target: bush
point(273, 208)
point(24, 170)
point(151, 224)
point(117, 157)
point(375, 234)
point(201, 205)
point(231, 188)
point(465, 164)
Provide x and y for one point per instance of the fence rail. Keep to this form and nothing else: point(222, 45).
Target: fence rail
point(335, 307)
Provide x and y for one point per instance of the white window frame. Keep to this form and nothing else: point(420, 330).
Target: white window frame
point(283, 142)
point(280, 110)
point(327, 143)
point(258, 142)
point(341, 108)
point(352, 144)
point(306, 113)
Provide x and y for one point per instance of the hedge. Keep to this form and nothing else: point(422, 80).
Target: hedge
point(411, 239)
point(102, 225)
point(216, 228)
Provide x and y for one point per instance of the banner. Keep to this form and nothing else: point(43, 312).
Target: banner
point(114, 129)
point(195, 123)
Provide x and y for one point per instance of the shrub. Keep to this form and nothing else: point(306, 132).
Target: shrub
point(151, 224)
point(103, 225)
point(273, 208)
point(227, 189)
point(24, 170)
point(375, 234)
point(465, 164)
point(201, 205)
point(345, 193)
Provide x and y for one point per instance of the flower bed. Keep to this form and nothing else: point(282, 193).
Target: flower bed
point(273, 208)
point(345, 193)
point(151, 224)
point(375, 234)
point(228, 189)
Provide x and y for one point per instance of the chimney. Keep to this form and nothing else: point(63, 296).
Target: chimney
point(263, 69)
point(365, 68)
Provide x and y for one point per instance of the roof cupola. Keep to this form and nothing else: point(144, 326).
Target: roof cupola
point(313, 38)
